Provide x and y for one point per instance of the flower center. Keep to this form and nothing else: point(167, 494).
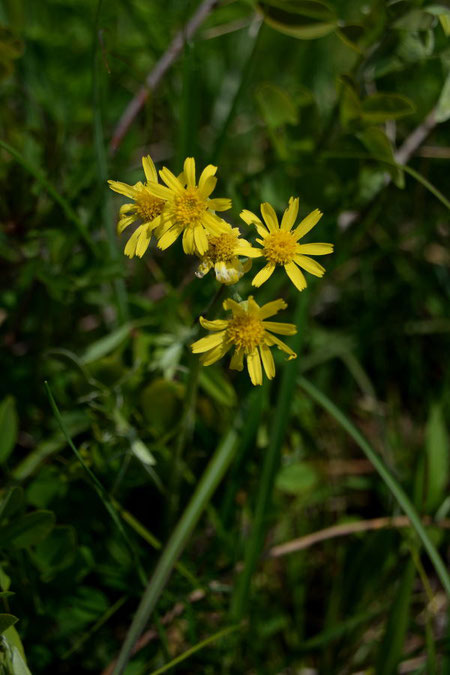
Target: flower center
point(149, 207)
point(280, 247)
point(189, 207)
point(245, 331)
point(221, 248)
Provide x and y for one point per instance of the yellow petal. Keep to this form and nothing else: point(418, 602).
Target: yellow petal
point(188, 241)
point(226, 273)
point(267, 359)
point(252, 306)
point(310, 265)
point(215, 354)
point(254, 367)
point(271, 308)
point(149, 169)
point(130, 248)
point(159, 191)
point(214, 224)
point(169, 237)
point(234, 306)
point(207, 172)
point(270, 217)
point(208, 342)
point(143, 241)
point(219, 204)
point(290, 215)
point(126, 208)
point(171, 181)
point(273, 340)
point(263, 274)
point(296, 276)
point(280, 327)
point(200, 240)
point(189, 171)
point(251, 219)
point(124, 222)
point(307, 224)
point(207, 187)
point(203, 268)
point(315, 249)
point(122, 188)
point(244, 248)
point(217, 324)
point(237, 360)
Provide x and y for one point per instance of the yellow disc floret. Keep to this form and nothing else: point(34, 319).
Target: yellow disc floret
point(280, 247)
point(189, 207)
point(246, 332)
point(222, 248)
point(148, 207)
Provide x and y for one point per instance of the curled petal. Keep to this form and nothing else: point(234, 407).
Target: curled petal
point(124, 222)
point(273, 340)
point(217, 324)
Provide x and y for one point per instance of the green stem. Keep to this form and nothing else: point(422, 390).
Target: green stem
point(52, 191)
point(269, 469)
point(394, 487)
point(208, 483)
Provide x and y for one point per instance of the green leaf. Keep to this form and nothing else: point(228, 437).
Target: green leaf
point(350, 35)
point(436, 448)
point(216, 385)
point(350, 104)
point(105, 345)
point(445, 23)
point(297, 479)
point(56, 551)
point(442, 113)
point(27, 530)
point(379, 146)
point(7, 620)
point(8, 427)
point(415, 20)
point(276, 105)
point(302, 19)
point(11, 502)
point(381, 107)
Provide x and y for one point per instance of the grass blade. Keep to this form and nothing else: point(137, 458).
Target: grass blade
point(395, 488)
point(208, 483)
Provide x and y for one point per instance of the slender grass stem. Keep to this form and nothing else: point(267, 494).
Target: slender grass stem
point(53, 192)
point(208, 483)
point(269, 468)
point(394, 487)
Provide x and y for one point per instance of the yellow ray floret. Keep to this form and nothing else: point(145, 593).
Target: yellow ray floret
point(146, 207)
point(280, 245)
point(223, 254)
point(250, 334)
point(189, 209)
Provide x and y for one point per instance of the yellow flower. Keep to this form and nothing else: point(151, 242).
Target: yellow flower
point(189, 210)
point(222, 254)
point(249, 333)
point(146, 206)
point(280, 243)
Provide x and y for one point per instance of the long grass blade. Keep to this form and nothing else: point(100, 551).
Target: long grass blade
point(394, 487)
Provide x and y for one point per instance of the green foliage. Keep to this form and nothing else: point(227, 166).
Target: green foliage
point(312, 99)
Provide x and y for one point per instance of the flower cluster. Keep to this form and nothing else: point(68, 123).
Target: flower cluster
point(181, 206)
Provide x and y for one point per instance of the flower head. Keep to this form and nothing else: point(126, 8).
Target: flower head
point(222, 254)
point(280, 243)
point(189, 209)
point(249, 333)
point(146, 207)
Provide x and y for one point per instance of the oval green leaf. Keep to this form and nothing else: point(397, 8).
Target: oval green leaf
point(304, 20)
point(381, 107)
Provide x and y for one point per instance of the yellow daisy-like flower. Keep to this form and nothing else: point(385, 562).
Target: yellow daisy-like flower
point(280, 243)
point(146, 206)
point(189, 209)
point(250, 334)
point(222, 254)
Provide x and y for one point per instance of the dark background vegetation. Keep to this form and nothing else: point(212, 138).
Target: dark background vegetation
point(280, 116)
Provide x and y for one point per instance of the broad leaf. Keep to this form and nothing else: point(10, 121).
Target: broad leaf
point(303, 19)
point(27, 530)
point(381, 107)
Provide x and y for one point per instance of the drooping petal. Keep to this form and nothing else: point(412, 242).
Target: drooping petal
point(122, 188)
point(290, 215)
point(124, 222)
point(169, 237)
point(171, 181)
point(270, 217)
point(295, 275)
point(267, 359)
point(188, 241)
point(237, 360)
point(130, 248)
point(280, 327)
point(207, 172)
point(126, 208)
point(208, 342)
point(310, 265)
point(315, 249)
point(149, 169)
point(219, 204)
point(215, 354)
point(254, 367)
point(143, 241)
point(226, 273)
point(263, 274)
point(203, 268)
point(217, 324)
point(189, 171)
point(200, 240)
point(307, 224)
point(271, 308)
point(273, 340)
